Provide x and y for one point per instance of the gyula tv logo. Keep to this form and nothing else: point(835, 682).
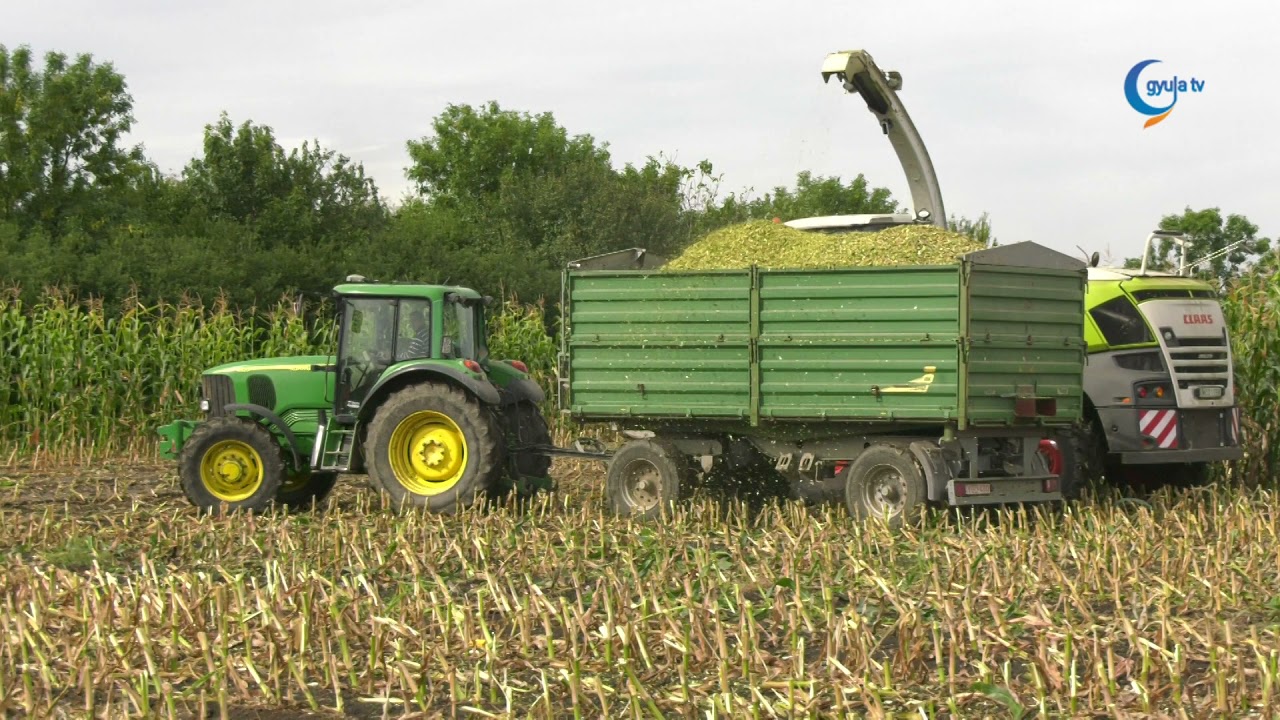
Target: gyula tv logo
point(1135, 90)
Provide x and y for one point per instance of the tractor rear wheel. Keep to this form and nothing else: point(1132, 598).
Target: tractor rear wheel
point(233, 462)
point(525, 426)
point(885, 484)
point(434, 446)
point(301, 488)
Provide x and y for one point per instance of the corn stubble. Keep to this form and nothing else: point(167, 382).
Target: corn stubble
point(563, 610)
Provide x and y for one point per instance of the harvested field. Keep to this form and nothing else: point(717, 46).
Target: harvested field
point(118, 600)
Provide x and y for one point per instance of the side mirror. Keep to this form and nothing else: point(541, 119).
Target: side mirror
point(1093, 259)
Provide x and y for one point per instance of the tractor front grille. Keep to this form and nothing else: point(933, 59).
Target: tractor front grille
point(262, 391)
point(217, 389)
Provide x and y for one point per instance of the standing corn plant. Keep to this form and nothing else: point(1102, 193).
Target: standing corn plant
point(1253, 312)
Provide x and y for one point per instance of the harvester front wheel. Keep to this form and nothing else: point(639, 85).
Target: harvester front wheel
point(231, 462)
point(884, 484)
point(434, 446)
point(645, 476)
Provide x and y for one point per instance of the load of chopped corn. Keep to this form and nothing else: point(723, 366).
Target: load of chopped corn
point(773, 245)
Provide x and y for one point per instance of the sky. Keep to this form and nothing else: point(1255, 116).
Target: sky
point(1021, 105)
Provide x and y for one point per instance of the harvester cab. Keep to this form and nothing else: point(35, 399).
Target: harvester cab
point(1160, 387)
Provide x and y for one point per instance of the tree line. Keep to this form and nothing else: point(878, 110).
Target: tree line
point(501, 200)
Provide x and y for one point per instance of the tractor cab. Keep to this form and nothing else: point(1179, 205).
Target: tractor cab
point(384, 328)
point(409, 397)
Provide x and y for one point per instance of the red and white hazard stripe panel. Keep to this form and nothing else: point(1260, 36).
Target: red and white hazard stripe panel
point(1235, 425)
point(1161, 425)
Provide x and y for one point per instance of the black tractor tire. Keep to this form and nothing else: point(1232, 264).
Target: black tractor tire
point(220, 452)
point(646, 478)
point(525, 426)
point(458, 415)
point(885, 484)
point(299, 491)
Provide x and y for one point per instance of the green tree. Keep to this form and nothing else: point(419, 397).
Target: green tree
point(61, 158)
point(1229, 243)
point(979, 230)
point(306, 196)
point(812, 196)
point(520, 196)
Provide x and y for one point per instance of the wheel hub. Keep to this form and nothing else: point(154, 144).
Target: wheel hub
point(231, 470)
point(885, 490)
point(428, 453)
point(641, 483)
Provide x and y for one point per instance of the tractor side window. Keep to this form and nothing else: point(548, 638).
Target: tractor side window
point(460, 331)
point(414, 337)
point(1120, 323)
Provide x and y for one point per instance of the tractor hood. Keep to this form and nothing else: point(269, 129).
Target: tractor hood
point(298, 363)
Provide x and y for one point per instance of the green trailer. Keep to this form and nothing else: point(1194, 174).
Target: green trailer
point(888, 388)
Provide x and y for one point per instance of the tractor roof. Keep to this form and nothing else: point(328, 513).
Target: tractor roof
point(407, 289)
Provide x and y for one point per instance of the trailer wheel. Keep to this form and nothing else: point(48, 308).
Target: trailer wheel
point(434, 446)
point(884, 483)
point(644, 477)
point(231, 461)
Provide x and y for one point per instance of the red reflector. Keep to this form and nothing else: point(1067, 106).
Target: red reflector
point(840, 467)
point(1052, 455)
point(471, 365)
point(518, 365)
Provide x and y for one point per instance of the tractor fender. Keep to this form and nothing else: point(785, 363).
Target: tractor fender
point(263, 414)
point(417, 373)
point(522, 390)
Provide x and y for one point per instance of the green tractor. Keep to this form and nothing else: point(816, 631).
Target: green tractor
point(413, 400)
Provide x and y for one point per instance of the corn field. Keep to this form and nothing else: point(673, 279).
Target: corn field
point(84, 385)
point(1253, 313)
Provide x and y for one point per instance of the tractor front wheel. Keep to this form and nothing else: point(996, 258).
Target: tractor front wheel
point(434, 446)
point(232, 462)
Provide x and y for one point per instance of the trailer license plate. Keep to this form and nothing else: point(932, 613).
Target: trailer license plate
point(977, 489)
point(1209, 392)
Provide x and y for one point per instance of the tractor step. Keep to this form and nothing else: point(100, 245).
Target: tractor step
point(333, 447)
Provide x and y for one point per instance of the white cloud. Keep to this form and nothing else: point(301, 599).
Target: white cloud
point(1020, 103)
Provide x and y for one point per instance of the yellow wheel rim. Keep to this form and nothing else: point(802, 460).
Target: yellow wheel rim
point(428, 453)
point(231, 470)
